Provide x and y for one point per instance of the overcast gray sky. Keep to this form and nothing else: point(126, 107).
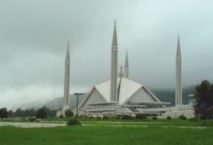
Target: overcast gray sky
point(34, 35)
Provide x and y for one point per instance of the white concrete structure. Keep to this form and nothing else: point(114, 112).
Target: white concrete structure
point(114, 66)
point(135, 98)
point(179, 109)
point(178, 90)
point(66, 84)
point(126, 66)
point(173, 112)
point(125, 98)
point(67, 80)
point(132, 97)
point(129, 97)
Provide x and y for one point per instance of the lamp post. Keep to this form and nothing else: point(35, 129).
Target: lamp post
point(77, 94)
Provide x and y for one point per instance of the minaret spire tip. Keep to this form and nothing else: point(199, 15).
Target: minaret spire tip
point(178, 48)
point(68, 44)
point(178, 39)
point(68, 52)
point(114, 39)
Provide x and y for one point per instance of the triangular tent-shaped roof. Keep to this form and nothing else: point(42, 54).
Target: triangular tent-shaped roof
point(130, 91)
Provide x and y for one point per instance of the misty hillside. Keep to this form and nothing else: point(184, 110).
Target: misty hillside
point(58, 102)
point(54, 104)
point(169, 95)
point(32, 105)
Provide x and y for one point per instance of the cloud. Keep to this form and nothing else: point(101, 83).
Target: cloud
point(34, 37)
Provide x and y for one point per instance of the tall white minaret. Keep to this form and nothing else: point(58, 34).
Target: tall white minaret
point(67, 80)
point(126, 67)
point(114, 63)
point(178, 91)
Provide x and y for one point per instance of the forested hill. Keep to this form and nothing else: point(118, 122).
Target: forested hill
point(168, 95)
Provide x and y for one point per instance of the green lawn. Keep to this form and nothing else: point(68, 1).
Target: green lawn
point(111, 133)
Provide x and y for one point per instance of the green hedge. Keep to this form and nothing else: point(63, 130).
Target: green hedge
point(73, 121)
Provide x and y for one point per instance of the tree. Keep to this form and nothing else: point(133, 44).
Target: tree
point(204, 111)
point(69, 113)
point(204, 100)
point(10, 114)
point(41, 113)
point(3, 113)
point(19, 112)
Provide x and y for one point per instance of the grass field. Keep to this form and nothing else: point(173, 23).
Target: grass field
point(112, 133)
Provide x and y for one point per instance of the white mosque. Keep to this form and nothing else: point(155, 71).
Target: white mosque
point(122, 96)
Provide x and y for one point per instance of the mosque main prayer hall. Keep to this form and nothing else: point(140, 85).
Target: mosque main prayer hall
point(122, 96)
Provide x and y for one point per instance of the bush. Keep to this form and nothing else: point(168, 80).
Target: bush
point(182, 117)
point(105, 117)
point(69, 113)
point(91, 117)
point(168, 118)
point(73, 121)
point(154, 118)
point(98, 117)
point(126, 117)
point(141, 116)
point(61, 116)
point(32, 119)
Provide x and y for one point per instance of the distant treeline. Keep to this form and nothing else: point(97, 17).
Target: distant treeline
point(24, 113)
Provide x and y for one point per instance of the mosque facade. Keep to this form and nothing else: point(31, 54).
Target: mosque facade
point(120, 95)
point(123, 96)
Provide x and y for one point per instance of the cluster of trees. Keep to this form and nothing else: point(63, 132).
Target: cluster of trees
point(21, 113)
point(3, 113)
point(40, 113)
point(203, 106)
